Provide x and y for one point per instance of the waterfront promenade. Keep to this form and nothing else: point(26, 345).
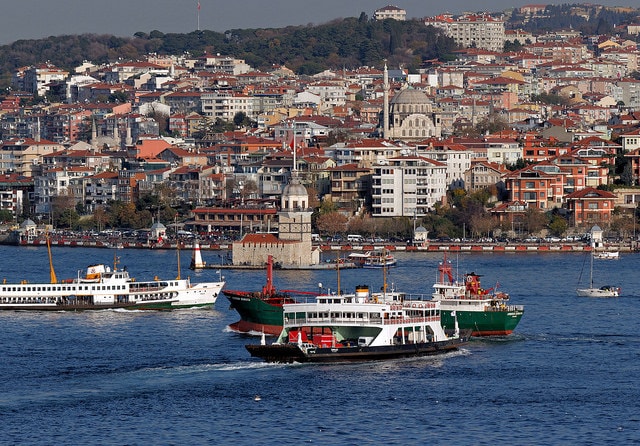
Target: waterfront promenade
point(432, 246)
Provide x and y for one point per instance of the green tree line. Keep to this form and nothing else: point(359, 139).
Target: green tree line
point(342, 43)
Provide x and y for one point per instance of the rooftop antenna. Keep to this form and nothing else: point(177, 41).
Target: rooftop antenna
point(198, 15)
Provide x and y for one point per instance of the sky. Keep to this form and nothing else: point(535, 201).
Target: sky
point(34, 19)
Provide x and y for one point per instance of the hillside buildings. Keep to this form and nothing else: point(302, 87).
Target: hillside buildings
point(535, 127)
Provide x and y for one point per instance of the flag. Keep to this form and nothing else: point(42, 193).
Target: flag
point(198, 6)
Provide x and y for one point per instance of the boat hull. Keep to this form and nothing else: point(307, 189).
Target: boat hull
point(88, 307)
point(256, 314)
point(200, 295)
point(598, 292)
point(483, 323)
point(289, 353)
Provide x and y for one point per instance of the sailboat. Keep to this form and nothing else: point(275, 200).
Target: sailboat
point(603, 291)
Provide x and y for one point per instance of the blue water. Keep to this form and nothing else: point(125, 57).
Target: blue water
point(568, 375)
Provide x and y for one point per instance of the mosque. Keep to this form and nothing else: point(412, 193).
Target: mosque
point(410, 115)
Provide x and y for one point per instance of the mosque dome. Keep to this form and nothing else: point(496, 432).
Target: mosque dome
point(409, 101)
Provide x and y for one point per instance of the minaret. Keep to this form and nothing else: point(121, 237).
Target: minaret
point(117, 141)
point(385, 106)
point(94, 132)
point(128, 141)
point(36, 137)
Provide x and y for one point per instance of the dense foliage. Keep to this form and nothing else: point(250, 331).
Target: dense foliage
point(350, 43)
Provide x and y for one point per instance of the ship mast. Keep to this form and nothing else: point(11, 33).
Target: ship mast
point(175, 227)
point(52, 273)
point(338, 271)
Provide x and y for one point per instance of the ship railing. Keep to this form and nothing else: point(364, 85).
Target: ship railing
point(293, 322)
point(411, 320)
point(504, 307)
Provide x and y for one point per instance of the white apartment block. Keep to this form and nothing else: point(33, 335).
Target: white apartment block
point(455, 157)
point(37, 79)
point(332, 94)
point(223, 64)
point(479, 30)
point(390, 12)
point(226, 104)
point(407, 186)
point(503, 151)
point(54, 183)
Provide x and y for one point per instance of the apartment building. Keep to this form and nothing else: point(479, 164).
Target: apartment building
point(36, 79)
point(407, 186)
point(472, 30)
point(591, 206)
point(22, 156)
point(225, 105)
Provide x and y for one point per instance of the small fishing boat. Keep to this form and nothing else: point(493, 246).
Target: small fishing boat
point(606, 255)
point(378, 258)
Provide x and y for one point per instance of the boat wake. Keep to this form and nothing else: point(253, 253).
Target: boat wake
point(612, 338)
point(513, 337)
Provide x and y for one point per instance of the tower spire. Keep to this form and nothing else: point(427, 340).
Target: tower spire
point(295, 164)
point(385, 106)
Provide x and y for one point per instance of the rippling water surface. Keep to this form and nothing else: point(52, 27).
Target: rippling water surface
point(568, 375)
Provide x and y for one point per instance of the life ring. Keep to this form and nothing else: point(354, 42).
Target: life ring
point(469, 278)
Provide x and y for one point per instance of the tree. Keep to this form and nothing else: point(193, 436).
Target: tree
point(5, 216)
point(492, 124)
point(558, 225)
point(241, 119)
point(535, 220)
point(61, 206)
point(68, 218)
point(482, 224)
point(249, 189)
point(332, 223)
point(99, 218)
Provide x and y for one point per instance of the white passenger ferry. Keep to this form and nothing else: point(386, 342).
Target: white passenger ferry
point(103, 287)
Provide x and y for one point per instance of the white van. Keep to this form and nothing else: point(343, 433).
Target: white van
point(354, 238)
point(316, 238)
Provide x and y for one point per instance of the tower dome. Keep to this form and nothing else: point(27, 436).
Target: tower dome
point(294, 195)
